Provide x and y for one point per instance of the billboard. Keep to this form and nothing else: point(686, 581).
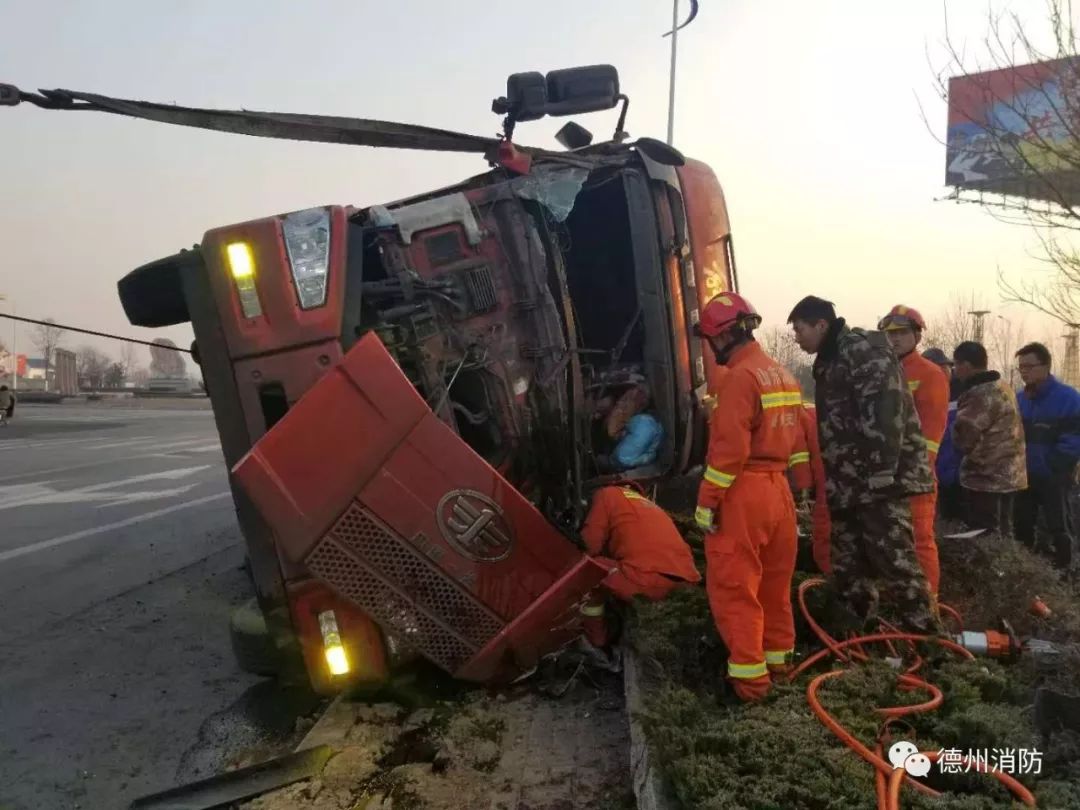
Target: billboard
point(1014, 131)
point(9, 361)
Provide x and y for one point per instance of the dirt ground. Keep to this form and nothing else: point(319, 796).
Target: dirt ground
point(720, 755)
point(511, 750)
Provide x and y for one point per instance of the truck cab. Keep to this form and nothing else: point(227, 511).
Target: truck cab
point(500, 312)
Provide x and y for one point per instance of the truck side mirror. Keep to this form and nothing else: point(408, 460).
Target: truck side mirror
point(526, 97)
point(581, 90)
point(530, 96)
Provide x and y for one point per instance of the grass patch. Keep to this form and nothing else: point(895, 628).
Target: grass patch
point(720, 756)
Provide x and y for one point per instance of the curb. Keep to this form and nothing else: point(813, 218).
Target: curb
point(651, 787)
point(330, 729)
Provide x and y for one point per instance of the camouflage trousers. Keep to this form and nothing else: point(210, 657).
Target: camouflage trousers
point(875, 569)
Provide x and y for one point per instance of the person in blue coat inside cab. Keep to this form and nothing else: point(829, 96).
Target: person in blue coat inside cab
point(1051, 413)
point(633, 434)
point(950, 495)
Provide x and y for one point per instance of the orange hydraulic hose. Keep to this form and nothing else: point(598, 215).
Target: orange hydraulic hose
point(879, 779)
point(846, 736)
point(953, 614)
point(820, 654)
point(918, 683)
point(915, 666)
point(897, 777)
point(819, 631)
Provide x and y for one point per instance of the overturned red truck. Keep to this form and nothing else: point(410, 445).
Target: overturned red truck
point(404, 391)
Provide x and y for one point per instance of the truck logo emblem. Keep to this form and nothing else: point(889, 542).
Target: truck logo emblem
point(474, 525)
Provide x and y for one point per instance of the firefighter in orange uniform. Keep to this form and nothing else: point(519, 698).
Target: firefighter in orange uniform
point(808, 476)
point(930, 389)
point(744, 502)
point(642, 547)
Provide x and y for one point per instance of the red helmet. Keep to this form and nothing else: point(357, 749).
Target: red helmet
point(725, 311)
point(901, 317)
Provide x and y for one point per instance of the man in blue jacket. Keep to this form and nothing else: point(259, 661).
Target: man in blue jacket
point(1051, 413)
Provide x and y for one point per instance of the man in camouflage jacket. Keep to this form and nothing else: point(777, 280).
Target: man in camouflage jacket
point(989, 432)
point(875, 459)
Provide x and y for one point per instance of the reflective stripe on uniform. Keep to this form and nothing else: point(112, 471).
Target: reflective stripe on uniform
point(634, 496)
point(592, 611)
point(720, 479)
point(703, 517)
point(799, 458)
point(913, 385)
point(933, 447)
point(780, 399)
point(775, 657)
point(747, 670)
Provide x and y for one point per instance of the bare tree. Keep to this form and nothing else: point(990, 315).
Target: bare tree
point(1023, 159)
point(129, 358)
point(1003, 338)
point(952, 325)
point(46, 337)
point(91, 366)
point(780, 345)
point(140, 376)
point(114, 375)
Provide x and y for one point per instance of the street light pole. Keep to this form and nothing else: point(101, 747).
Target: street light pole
point(14, 347)
point(674, 34)
point(671, 85)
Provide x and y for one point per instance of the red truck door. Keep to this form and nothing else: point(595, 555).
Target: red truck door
point(375, 496)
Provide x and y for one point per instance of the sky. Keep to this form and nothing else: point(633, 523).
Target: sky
point(809, 113)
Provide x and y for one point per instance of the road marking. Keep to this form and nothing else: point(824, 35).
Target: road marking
point(120, 443)
point(153, 495)
point(42, 495)
point(83, 466)
point(92, 444)
point(108, 527)
point(202, 448)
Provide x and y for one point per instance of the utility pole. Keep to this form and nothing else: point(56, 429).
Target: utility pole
point(671, 85)
point(1071, 371)
point(14, 347)
point(674, 34)
point(979, 314)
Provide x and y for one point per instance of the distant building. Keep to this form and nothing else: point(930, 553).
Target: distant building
point(35, 368)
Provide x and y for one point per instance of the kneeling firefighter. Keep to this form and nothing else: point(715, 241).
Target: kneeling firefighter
point(642, 548)
point(744, 503)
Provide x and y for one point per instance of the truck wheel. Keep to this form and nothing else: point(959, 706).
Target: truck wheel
point(251, 642)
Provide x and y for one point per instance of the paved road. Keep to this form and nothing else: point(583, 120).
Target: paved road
point(120, 561)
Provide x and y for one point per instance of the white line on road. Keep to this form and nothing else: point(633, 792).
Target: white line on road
point(18, 495)
point(68, 444)
point(108, 527)
point(89, 464)
point(94, 444)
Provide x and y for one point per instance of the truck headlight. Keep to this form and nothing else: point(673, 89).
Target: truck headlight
point(242, 267)
point(307, 241)
point(336, 659)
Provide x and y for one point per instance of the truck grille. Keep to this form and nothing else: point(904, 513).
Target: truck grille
point(371, 565)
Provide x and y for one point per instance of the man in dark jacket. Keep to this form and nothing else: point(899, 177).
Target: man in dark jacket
point(950, 495)
point(1051, 413)
point(875, 459)
point(989, 433)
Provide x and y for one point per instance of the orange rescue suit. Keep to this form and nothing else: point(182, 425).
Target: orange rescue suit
point(930, 388)
point(808, 473)
point(746, 508)
point(641, 543)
